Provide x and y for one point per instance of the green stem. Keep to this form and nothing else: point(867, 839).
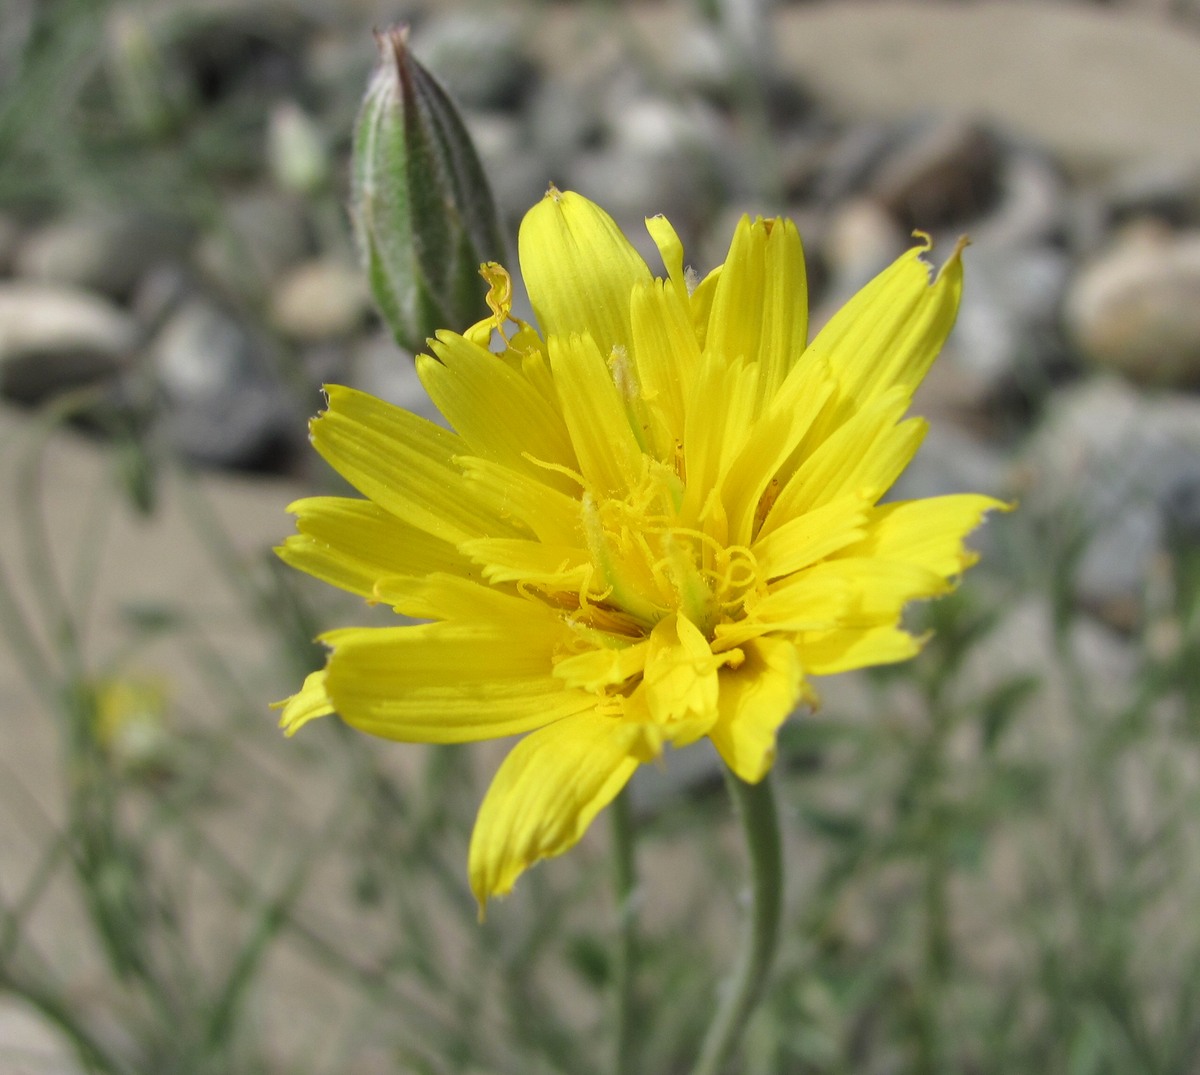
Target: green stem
point(741, 994)
point(624, 885)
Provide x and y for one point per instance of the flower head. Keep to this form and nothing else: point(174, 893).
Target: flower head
point(653, 522)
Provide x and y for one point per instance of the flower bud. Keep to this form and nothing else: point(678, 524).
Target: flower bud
point(423, 210)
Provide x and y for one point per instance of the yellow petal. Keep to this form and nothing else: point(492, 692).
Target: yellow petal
point(579, 270)
point(827, 653)
point(670, 249)
point(762, 462)
point(544, 797)
point(608, 453)
point(402, 462)
point(760, 306)
point(667, 358)
point(861, 458)
point(492, 406)
point(721, 406)
point(538, 503)
point(354, 543)
point(928, 532)
point(803, 602)
point(890, 332)
point(756, 698)
point(308, 703)
point(680, 679)
point(802, 541)
point(563, 568)
point(881, 588)
point(449, 682)
point(601, 667)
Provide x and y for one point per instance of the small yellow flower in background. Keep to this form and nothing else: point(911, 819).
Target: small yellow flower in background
point(652, 523)
point(131, 721)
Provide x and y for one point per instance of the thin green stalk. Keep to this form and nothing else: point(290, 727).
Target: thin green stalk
point(755, 804)
point(624, 886)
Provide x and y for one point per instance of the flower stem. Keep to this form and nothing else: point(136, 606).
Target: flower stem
point(624, 885)
point(755, 804)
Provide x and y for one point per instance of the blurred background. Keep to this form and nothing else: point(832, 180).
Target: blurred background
point(993, 851)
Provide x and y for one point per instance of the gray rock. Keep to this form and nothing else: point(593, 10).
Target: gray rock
point(1031, 205)
point(1107, 466)
point(222, 405)
point(320, 299)
point(106, 252)
point(1166, 189)
point(480, 58)
point(849, 158)
point(563, 117)
point(1136, 309)
point(658, 156)
point(55, 338)
point(1094, 85)
point(861, 239)
point(517, 172)
point(945, 172)
point(10, 241)
point(259, 234)
point(1006, 340)
point(296, 153)
point(1022, 645)
point(952, 460)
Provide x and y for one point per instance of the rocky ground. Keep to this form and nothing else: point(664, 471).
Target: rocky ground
point(187, 295)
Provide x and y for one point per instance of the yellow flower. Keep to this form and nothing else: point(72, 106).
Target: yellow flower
point(652, 522)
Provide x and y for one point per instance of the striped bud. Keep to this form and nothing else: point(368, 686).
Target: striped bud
point(423, 210)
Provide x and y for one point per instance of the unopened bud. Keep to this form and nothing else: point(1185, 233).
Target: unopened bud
point(423, 210)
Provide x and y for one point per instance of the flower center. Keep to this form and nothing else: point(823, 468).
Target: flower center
point(649, 566)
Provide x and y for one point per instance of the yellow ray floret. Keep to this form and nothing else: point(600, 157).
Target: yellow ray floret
point(653, 518)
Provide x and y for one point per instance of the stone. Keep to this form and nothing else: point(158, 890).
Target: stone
point(221, 404)
point(320, 299)
point(10, 241)
point(1096, 86)
point(54, 338)
point(1106, 466)
point(259, 234)
point(296, 153)
point(479, 57)
point(1031, 203)
point(1168, 190)
point(1135, 310)
point(944, 172)
point(1006, 343)
point(860, 241)
point(106, 252)
point(656, 157)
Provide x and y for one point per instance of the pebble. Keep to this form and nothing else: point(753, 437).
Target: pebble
point(106, 252)
point(945, 172)
point(479, 57)
point(10, 241)
point(1031, 205)
point(862, 238)
point(1168, 190)
point(319, 299)
point(296, 153)
point(54, 338)
point(222, 406)
point(1006, 343)
point(1107, 463)
point(260, 233)
point(1135, 310)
